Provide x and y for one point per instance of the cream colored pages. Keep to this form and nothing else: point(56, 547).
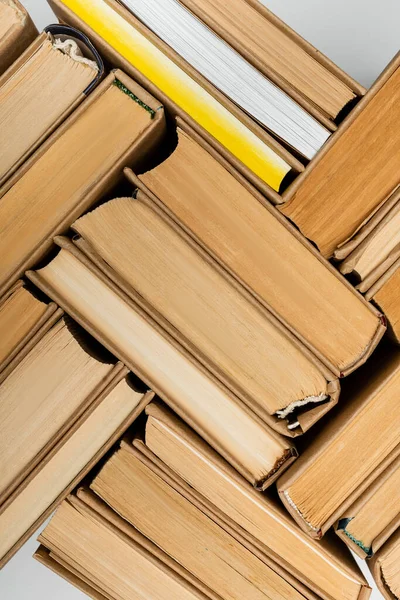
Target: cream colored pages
point(121, 569)
point(269, 48)
point(64, 466)
point(201, 467)
point(18, 315)
point(41, 395)
point(263, 254)
point(245, 348)
point(35, 97)
point(185, 533)
point(60, 178)
point(221, 419)
point(391, 570)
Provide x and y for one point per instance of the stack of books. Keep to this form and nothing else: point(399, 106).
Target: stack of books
point(188, 195)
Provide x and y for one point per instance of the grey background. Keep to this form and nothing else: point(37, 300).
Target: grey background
point(361, 36)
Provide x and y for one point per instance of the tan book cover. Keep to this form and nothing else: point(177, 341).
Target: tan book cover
point(48, 390)
point(122, 562)
point(17, 31)
point(282, 55)
point(59, 55)
point(375, 515)
point(378, 250)
point(24, 319)
point(352, 244)
point(184, 531)
point(385, 295)
point(204, 309)
point(52, 562)
point(350, 452)
point(385, 567)
point(355, 172)
point(114, 409)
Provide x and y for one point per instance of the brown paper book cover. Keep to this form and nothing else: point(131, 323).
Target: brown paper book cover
point(282, 55)
point(207, 312)
point(120, 562)
point(25, 315)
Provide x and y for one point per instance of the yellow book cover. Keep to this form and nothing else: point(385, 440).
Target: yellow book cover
point(132, 45)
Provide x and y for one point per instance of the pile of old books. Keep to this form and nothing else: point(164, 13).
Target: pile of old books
point(175, 177)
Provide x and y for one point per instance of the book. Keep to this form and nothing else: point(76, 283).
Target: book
point(385, 568)
point(43, 395)
point(350, 452)
point(17, 31)
point(374, 516)
point(355, 173)
point(205, 311)
point(95, 547)
point(82, 160)
point(66, 572)
point(257, 451)
point(377, 250)
point(34, 95)
point(321, 566)
point(232, 74)
point(250, 239)
point(281, 54)
point(135, 490)
point(385, 294)
point(123, 39)
point(24, 317)
point(116, 405)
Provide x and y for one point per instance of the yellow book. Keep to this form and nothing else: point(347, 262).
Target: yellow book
point(133, 46)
